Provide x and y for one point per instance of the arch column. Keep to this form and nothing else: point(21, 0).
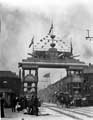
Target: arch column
point(23, 78)
point(36, 74)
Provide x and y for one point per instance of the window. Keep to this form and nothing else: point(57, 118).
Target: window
point(25, 84)
point(25, 89)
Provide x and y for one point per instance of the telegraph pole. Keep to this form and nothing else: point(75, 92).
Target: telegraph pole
point(88, 37)
point(0, 25)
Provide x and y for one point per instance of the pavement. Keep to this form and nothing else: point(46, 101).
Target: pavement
point(52, 112)
point(45, 114)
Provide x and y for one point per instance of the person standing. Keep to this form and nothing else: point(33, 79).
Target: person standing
point(35, 105)
point(13, 103)
point(2, 107)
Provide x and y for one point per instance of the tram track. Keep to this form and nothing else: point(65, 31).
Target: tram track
point(77, 115)
point(79, 112)
point(72, 116)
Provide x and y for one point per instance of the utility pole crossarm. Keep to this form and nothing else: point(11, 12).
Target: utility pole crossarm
point(88, 35)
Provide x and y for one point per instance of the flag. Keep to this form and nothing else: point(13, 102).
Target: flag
point(51, 28)
point(32, 42)
point(47, 75)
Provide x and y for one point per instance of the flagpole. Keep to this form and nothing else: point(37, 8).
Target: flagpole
point(52, 27)
point(33, 43)
point(71, 48)
point(0, 25)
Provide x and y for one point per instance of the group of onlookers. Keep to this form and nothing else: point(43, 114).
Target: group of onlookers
point(15, 104)
point(29, 106)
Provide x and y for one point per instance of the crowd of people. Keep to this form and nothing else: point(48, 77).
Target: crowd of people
point(28, 106)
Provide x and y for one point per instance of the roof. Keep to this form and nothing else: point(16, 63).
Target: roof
point(8, 74)
point(50, 63)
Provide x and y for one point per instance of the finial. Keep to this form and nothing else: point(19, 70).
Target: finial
point(52, 45)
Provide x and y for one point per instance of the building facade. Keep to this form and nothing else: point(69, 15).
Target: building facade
point(10, 85)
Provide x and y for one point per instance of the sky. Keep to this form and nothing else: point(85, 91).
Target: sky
point(21, 19)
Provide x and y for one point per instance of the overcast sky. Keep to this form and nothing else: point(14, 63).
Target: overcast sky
point(20, 19)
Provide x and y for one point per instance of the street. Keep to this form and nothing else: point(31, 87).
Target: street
point(53, 112)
